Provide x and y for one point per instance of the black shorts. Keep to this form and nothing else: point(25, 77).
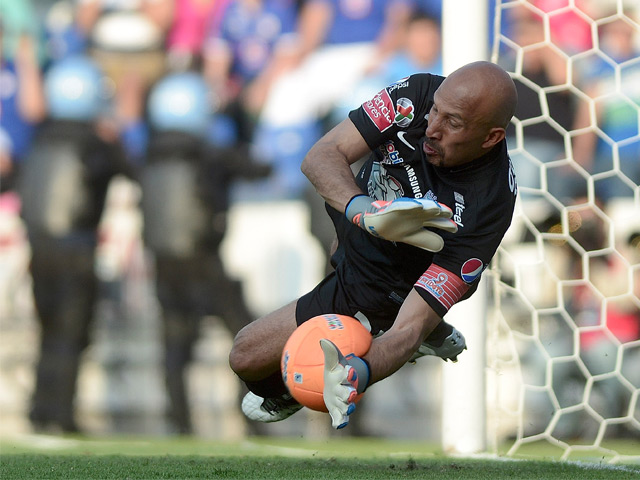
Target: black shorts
point(375, 309)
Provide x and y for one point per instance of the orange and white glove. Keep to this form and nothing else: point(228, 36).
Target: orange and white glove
point(344, 379)
point(402, 220)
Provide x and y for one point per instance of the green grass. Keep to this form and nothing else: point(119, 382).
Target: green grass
point(42, 457)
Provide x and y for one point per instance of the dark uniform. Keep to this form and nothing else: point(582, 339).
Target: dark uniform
point(185, 186)
point(63, 186)
point(372, 276)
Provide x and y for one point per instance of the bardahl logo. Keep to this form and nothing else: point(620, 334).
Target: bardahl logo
point(380, 110)
point(459, 208)
point(333, 322)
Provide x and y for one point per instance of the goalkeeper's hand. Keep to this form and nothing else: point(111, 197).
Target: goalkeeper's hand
point(402, 220)
point(344, 379)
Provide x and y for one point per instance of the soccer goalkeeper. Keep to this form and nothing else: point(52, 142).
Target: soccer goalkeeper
point(416, 227)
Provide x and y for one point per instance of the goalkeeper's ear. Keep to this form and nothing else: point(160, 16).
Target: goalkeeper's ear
point(495, 136)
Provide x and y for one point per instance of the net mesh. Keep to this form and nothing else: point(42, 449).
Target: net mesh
point(565, 370)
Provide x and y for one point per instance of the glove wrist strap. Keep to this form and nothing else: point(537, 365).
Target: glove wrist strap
point(357, 206)
point(363, 370)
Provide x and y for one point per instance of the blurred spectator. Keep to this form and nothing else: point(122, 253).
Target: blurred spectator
point(605, 320)
point(64, 34)
point(63, 185)
point(185, 185)
point(22, 103)
point(542, 67)
point(6, 164)
point(569, 31)
point(617, 112)
point(17, 19)
point(238, 55)
point(192, 20)
point(133, 60)
point(431, 8)
point(419, 51)
point(22, 108)
point(339, 41)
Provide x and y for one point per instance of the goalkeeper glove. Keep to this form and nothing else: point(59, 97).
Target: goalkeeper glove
point(402, 220)
point(344, 379)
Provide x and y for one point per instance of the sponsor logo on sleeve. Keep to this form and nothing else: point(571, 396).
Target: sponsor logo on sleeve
point(443, 285)
point(380, 110)
point(471, 270)
point(404, 112)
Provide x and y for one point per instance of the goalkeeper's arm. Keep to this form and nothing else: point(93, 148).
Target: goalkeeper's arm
point(327, 165)
point(346, 377)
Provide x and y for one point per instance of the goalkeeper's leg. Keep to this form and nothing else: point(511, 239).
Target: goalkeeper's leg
point(255, 357)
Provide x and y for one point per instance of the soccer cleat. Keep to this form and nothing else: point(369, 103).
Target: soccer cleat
point(450, 348)
point(269, 409)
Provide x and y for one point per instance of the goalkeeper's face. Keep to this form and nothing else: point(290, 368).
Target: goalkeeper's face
point(455, 134)
point(470, 111)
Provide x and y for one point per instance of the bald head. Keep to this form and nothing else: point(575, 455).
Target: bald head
point(471, 110)
point(487, 89)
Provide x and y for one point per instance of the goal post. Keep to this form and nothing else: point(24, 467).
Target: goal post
point(463, 421)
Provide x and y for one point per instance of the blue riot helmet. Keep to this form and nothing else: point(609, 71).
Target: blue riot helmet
point(181, 102)
point(75, 88)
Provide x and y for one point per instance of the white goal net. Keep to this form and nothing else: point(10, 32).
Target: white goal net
point(564, 366)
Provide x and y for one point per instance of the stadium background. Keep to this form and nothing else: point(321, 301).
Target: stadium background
point(120, 386)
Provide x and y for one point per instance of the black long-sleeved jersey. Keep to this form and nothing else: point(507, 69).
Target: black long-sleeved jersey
point(481, 194)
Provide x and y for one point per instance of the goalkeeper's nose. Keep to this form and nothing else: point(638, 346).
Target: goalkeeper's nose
point(433, 131)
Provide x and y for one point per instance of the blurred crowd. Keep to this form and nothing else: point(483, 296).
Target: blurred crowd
point(201, 103)
point(204, 103)
point(575, 145)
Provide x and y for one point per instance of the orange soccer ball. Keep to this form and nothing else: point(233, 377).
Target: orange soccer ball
point(302, 362)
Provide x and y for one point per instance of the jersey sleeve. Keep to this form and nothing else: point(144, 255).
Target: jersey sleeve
point(395, 107)
point(456, 270)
